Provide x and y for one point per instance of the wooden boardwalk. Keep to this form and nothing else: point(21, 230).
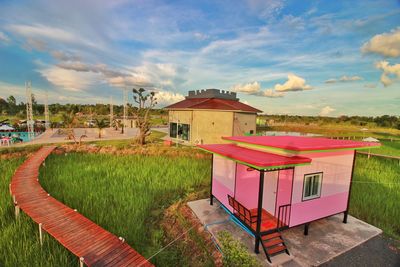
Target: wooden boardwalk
point(92, 244)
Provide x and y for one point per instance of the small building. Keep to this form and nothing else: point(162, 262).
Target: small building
point(207, 115)
point(272, 183)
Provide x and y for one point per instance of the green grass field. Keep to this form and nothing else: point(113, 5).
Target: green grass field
point(387, 148)
point(19, 240)
point(375, 196)
point(126, 194)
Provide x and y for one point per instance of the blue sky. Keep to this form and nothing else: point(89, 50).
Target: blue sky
point(283, 57)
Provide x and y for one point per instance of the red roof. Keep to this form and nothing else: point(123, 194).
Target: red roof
point(213, 103)
point(300, 143)
point(255, 158)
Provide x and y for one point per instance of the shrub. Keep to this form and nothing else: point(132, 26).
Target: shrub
point(235, 253)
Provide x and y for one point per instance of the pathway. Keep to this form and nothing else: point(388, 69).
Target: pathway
point(91, 243)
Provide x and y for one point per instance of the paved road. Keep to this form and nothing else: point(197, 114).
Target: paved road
point(378, 251)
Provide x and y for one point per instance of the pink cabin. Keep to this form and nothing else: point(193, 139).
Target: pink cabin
point(272, 183)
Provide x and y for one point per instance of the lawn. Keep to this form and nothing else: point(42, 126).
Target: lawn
point(127, 194)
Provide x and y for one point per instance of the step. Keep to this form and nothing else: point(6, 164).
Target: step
point(277, 249)
point(271, 236)
point(272, 243)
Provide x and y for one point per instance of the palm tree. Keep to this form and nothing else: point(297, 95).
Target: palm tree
point(101, 124)
point(69, 121)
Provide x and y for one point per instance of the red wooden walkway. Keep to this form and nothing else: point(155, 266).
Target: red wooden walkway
point(91, 243)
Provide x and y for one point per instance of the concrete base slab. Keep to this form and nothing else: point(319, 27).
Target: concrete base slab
point(327, 238)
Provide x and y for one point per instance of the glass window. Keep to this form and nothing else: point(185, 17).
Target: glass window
point(312, 186)
point(173, 129)
point(184, 131)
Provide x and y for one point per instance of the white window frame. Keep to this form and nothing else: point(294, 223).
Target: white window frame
point(318, 194)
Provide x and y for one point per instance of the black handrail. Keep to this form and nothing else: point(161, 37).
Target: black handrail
point(283, 216)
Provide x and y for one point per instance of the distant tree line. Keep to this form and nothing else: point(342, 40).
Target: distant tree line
point(10, 107)
point(362, 121)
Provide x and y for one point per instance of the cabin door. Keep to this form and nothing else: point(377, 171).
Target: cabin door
point(270, 186)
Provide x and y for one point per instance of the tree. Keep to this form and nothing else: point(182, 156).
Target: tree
point(12, 105)
point(69, 122)
point(101, 124)
point(145, 101)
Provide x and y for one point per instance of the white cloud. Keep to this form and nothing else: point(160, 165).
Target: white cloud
point(132, 80)
point(370, 85)
point(390, 74)
point(247, 88)
point(4, 38)
point(272, 94)
point(32, 43)
point(344, 79)
point(167, 98)
point(201, 36)
point(294, 83)
point(331, 80)
point(69, 79)
point(255, 89)
point(63, 56)
point(266, 9)
point(325, 111)
point(350, 78)
point(386, 44)
point(39, 31)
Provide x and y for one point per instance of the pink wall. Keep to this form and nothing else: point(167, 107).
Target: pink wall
point(247, 184)
point(284, 188)
point(336, 170)
point(223, 179)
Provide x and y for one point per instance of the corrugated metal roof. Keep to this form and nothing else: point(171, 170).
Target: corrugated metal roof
point(256, 158)
point(300, 143)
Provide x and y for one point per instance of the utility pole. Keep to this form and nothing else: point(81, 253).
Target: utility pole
point(46, 112)
point(125, 121)
point(111, 112)
point(29, 112)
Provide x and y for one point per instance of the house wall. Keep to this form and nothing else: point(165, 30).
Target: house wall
point(336, 178)
point(244, 123)
point(247, 184)
point(223, 180)
point(284, 193)
point(208, 126)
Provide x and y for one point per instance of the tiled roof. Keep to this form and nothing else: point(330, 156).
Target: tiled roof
point(213, 103)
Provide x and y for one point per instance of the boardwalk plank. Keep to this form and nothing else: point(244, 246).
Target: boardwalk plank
point(78, 234)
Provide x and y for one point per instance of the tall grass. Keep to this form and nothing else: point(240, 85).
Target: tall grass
point(375, 195)
point(126, 194)
point(19, 239)
point(388, 148)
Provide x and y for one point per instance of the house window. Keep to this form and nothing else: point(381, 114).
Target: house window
point(179, 130)
point(312, 186)
point(173, 129)
point(184, 131)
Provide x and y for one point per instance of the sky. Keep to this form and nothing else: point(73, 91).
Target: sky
point(326, 58)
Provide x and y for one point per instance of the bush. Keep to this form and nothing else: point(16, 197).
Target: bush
point(235, 253)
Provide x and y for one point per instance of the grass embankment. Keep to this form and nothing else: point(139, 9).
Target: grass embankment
point(387, 148)
point(127, 194)
point(375, 196)
point(19, 239)
point(339, 130)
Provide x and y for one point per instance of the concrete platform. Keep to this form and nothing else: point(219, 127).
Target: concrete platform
point(327, 238)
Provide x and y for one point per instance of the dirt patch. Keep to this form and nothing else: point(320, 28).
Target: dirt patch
point(197, 244)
